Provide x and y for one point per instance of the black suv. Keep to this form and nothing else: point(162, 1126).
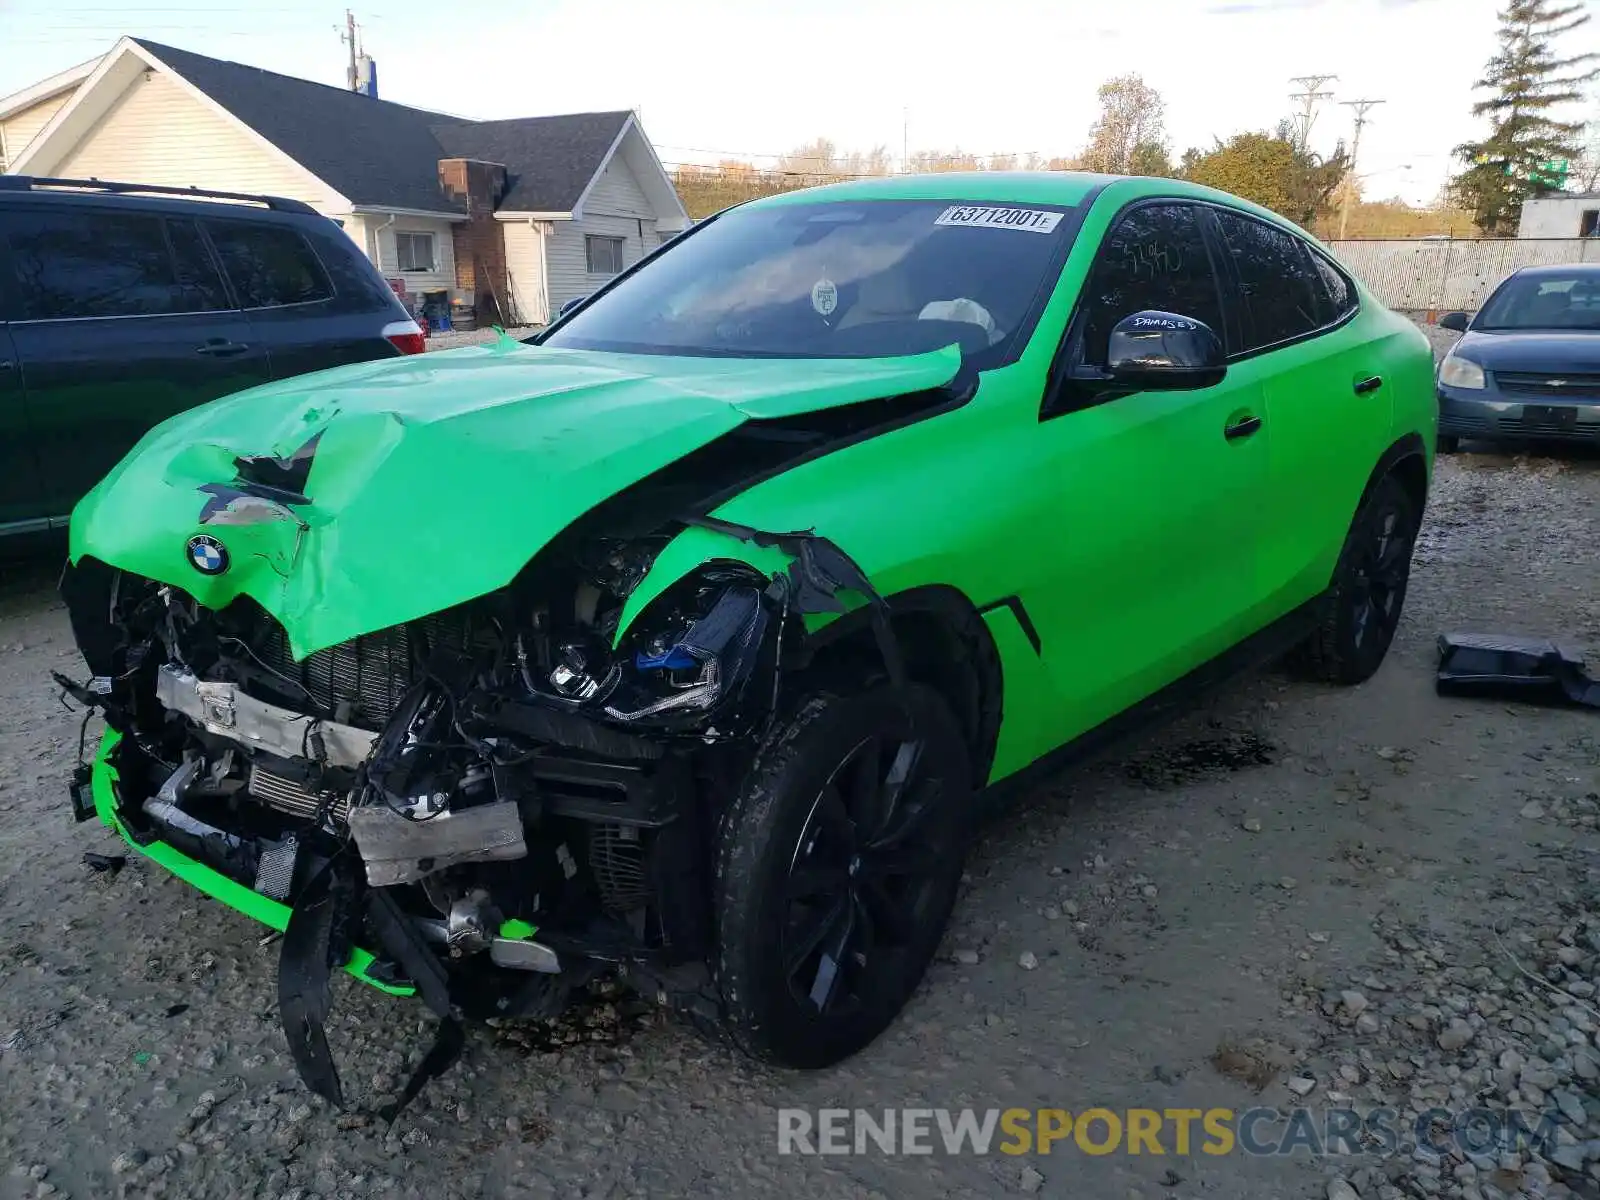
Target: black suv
point(122, 304)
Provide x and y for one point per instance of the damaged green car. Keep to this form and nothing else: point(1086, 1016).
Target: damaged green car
point(682, 643)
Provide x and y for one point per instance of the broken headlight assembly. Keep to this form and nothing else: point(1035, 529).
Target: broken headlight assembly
point(688, 655)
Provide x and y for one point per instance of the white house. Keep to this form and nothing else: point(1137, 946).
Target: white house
point(515, 217)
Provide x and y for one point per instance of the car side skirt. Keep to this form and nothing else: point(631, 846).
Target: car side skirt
point(1260, 648)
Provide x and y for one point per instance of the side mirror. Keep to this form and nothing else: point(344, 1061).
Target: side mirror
point(1162, 351)
point(569, 306)
point(1456, 322)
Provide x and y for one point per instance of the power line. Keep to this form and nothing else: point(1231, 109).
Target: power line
point(1362, 108)
point(1312, 85)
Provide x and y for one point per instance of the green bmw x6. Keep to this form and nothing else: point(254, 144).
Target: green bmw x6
point(685, 642)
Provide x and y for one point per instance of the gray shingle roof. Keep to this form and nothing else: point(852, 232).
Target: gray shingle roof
point(548, 160)
point(383, 154)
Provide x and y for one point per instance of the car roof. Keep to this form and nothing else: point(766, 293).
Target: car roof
point(22, 190)
point(1027, 187)
point(1068, 188)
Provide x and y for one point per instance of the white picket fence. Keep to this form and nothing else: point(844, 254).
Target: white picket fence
point(1443, 274)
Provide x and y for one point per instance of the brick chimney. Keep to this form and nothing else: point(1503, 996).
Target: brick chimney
point(480, 248)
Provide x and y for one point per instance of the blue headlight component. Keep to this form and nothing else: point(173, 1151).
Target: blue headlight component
point(676, 659)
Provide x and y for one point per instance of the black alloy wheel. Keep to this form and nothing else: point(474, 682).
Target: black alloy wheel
point(838, 865)
point(1369, 589)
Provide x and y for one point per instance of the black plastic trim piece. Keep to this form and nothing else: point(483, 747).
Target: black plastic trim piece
point(1409, 445)
point(1024, 621)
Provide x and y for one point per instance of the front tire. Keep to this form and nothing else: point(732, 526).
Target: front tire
point(1369, 589)
point(1447, 443)
point(837, 867)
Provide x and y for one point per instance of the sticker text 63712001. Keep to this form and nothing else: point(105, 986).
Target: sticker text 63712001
point(1029, 220)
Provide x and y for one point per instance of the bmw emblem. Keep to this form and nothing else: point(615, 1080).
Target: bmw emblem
point(207, 555)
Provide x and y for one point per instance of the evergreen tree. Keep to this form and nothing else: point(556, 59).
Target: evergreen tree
point(1526, 142)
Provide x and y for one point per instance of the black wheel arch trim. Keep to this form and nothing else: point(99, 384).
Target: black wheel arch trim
point(962, 619)
point(1408, 446)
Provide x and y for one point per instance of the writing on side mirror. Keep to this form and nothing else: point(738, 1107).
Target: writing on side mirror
point(1165, 351)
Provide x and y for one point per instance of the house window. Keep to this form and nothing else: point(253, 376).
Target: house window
point(1590, 219)
point(605, 254)
point(415, 251)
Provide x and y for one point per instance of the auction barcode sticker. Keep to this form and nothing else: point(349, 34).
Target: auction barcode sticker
point(1030, 220)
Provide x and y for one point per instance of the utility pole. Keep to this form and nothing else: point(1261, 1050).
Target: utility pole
point(905, 141)
point(348, 37)
point(1362, 107)
point(1312, 85)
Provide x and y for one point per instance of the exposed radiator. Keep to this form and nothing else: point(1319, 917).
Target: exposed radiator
point(291, 796)
point(617, 861)
point(361, 682)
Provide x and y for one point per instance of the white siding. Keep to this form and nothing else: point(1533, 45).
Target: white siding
point(615, 207)
point(568, 259)
point(443, 275)
point(617, 194)
point(525, 265)
point(17, 130)
point(157, 132)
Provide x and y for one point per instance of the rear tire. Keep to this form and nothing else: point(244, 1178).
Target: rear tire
point(1369, 589)
point(837, 866)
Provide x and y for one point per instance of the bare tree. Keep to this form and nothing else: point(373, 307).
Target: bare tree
point(1131, 116)
point(820, 157)
point(929, 161)
point(1585, 176)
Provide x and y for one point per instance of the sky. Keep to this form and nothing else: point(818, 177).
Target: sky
point(753, 78)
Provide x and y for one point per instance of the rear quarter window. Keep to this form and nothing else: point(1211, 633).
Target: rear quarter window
point(1332, 289)
point(357, 285)
point(1276, 278)
point(270, 266)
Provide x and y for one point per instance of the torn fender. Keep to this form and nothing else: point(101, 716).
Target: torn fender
point(694, 548)
point(359, 498)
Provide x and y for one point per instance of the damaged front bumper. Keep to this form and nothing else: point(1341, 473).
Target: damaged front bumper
point(414, 806)
point(362, 964)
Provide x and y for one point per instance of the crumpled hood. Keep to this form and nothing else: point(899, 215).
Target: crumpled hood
point(434, 478)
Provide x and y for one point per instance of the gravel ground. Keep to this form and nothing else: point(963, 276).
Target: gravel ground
point(474, 337)
point(1362, 897)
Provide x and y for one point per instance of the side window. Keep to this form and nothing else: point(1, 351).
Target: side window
point(1276, 279)
point(197, 274)
point(77, 263)
point(268, 265)
point(1153, 258)
point(604, 255)
point(1336, 297)
point(414, 251)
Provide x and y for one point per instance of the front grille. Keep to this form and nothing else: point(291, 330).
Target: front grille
point(1547, 385)
point(1528, 427)
point(292, 796)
